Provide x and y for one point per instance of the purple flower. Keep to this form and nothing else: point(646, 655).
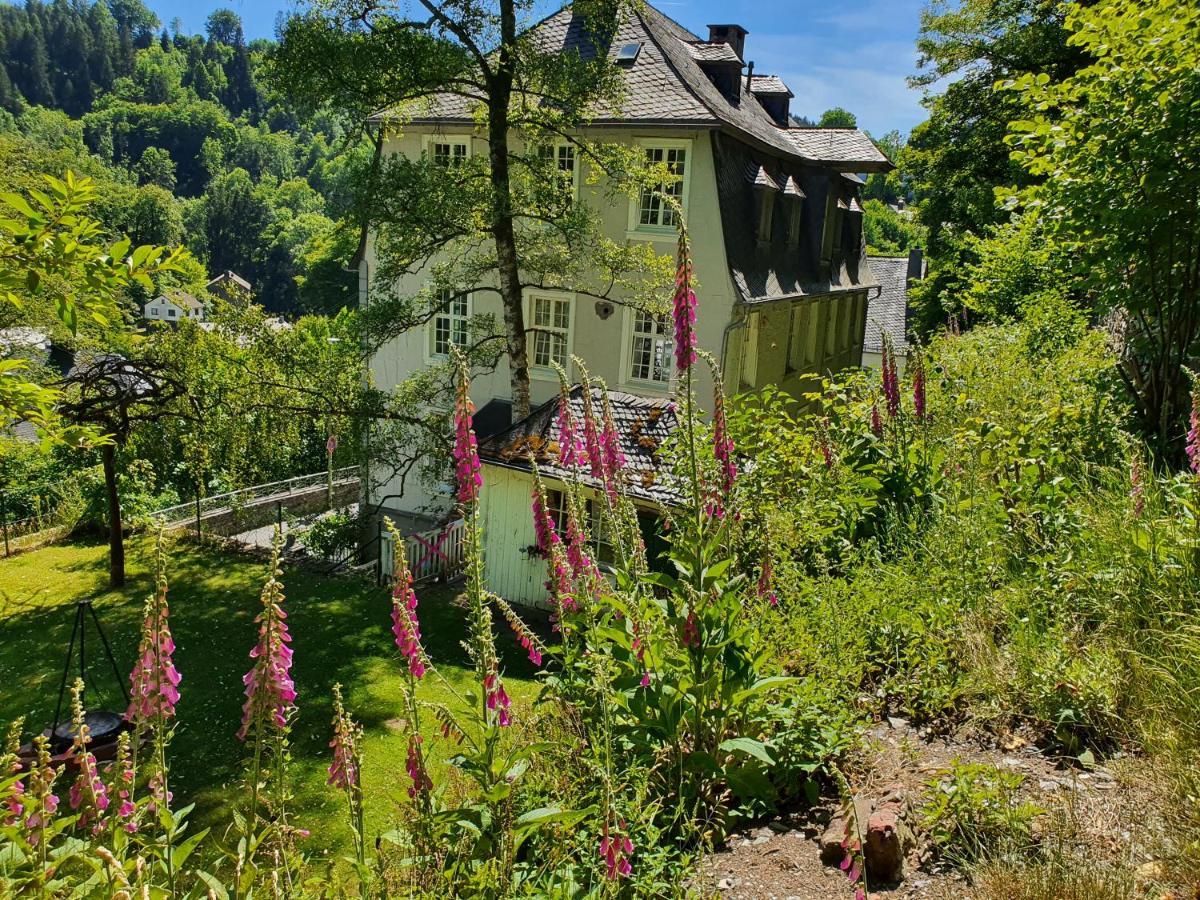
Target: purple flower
point(591, 436)
point(527, 639)
point(344, 770)
point(270, 691)
point(615, 850)
point(723, 448)
point(684, 308)
point(876, 420)
point(612, 456)
point(466, 451)
point(765, 588)
point(1193, 435)
point(570, 451)
point(415, 764)
point(496, 698)
point(154, 681)
point(405, 626)
point(891, 378)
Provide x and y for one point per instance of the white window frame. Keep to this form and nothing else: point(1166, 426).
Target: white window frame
point(548, 372)
point(629, 334)
point(556, 148)
point(431, 354)
point(171, 312)
point(662, 232)
point(430, 140)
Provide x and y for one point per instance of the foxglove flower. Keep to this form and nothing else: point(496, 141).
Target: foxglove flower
point(41, 803)
point(824, 444)
point(891, 379)
point(610, 448)
point(591, 435)
point(723, 448)
point(415, 764)
point(270, 691)
point(543, 524)
point(527, 639)
point(1193, 435)
point(344, 770)
point(154, 682)
point(561, 584)
point(570, 451)
point(496, 698)
point(11, 803)
point(876, 420)
point(120, 784)
point(766, 588)
point(405, 626)
point(615, 849)
point(466, 451)
point(684, 308)
point(691, 630)
point(88, 794)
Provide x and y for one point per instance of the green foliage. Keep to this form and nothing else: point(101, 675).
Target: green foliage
point(888, 231)
point(974, 811)
point(332, 536)
point(957, 158)
point(1110, 147)
point(837, 118)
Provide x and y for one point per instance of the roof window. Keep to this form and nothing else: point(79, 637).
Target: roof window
point(628, 53)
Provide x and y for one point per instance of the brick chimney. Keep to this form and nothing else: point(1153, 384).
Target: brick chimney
point(733, 35)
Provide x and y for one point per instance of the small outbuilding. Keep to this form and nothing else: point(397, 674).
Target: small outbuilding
point(174, 307)
point(515, 568)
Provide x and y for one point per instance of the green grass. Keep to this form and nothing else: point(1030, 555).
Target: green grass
point(341, 629)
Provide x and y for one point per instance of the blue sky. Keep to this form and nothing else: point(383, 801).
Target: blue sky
point(854, 54)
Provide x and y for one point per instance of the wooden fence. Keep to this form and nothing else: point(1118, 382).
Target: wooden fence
point(435, 554)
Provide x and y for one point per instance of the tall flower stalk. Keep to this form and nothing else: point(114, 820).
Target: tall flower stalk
point(345, 773)
point(88, 795)
point(270, 693)
point(154, 693)
point(1193, 435)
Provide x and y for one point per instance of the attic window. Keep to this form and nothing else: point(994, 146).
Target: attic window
point(628, 54)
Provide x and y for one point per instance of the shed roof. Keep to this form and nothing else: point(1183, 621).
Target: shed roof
point(642, 424)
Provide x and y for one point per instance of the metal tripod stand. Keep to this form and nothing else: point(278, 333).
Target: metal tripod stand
point(79, 633)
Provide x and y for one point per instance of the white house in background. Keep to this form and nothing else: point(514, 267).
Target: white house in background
point(174, 307)
point(888, 310)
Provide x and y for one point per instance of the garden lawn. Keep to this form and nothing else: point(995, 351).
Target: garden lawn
point(341, 630)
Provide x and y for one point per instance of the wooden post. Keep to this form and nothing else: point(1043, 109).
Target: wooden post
point(4, 518)
point(198, 535)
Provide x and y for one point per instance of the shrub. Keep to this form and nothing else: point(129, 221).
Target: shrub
point(973, 812)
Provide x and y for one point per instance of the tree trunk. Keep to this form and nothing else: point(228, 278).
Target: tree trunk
point(507, 264)
point(116, 537)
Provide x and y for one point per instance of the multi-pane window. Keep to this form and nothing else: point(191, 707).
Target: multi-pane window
point(654, 211)
point(449, 153)
point(450, 323)
point(552, 331)
point(595, 522)
point(564, 156)
point(795, 214)
point(650, 353)
point(797, 358)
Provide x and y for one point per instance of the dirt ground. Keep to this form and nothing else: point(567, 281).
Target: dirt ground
point(1103, 814)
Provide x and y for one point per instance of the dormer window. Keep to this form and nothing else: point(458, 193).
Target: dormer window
point(766, 215)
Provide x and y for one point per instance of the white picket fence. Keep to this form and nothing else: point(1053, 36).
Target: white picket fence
point(435, 554)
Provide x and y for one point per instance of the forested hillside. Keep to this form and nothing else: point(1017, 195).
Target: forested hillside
point(185, 139)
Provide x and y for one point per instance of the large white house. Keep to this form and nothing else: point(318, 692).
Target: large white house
point(174, 307)
point(773, 212)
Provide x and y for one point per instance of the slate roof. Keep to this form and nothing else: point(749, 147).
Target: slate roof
point(762, 270)
point(643, 424)
point(667, 85)
point(184, 300)
point(769, 84)
point(707, 51)
point(839, 146)
point(888, 312)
